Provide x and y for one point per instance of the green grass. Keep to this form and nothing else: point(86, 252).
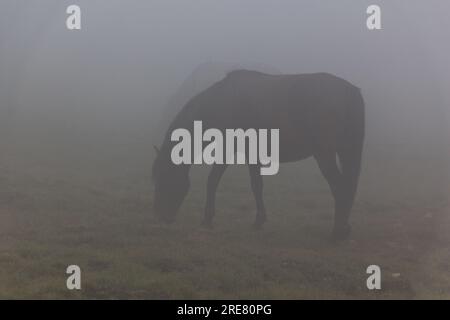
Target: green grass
point(93, 207)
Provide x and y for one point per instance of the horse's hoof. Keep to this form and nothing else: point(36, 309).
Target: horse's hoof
point(207, 224)
point(259, 223)
point(341, 233)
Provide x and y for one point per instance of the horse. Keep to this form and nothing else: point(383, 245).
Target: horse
point(318, 115)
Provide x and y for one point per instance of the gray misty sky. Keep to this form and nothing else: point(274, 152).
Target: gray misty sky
point(135, 54)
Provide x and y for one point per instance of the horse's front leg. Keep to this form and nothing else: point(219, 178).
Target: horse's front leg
point(257, 188)
point(213, 181)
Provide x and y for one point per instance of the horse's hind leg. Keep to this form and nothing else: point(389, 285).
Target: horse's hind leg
point(213, 181)
point(257, 188)
point(328, 167)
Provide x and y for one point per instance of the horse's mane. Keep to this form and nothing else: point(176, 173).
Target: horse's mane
point(162, 161)
point(185, 117)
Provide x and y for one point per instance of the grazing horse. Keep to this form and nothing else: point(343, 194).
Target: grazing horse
point(318, 115)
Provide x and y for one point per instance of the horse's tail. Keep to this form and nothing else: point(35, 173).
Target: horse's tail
point(351, 145)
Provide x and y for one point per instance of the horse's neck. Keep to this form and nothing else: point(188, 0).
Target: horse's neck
point(166, 151)
point(184, 119)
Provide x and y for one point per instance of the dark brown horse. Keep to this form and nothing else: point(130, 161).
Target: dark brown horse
point(318, 115)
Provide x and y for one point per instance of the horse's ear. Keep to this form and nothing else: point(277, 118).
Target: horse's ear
point(156, 149)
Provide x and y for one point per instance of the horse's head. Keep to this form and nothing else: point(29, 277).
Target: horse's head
point(171, 186)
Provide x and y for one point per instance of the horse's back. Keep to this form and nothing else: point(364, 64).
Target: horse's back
point(309, 109)
point(259, 93)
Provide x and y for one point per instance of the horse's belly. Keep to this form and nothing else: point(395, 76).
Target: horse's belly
point(291, 154)
point(294, 147)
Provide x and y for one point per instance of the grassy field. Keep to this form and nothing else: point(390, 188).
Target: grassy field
point(88, 202)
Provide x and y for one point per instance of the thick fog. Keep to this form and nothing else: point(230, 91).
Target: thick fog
point(80, 111)
point(132, 57)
